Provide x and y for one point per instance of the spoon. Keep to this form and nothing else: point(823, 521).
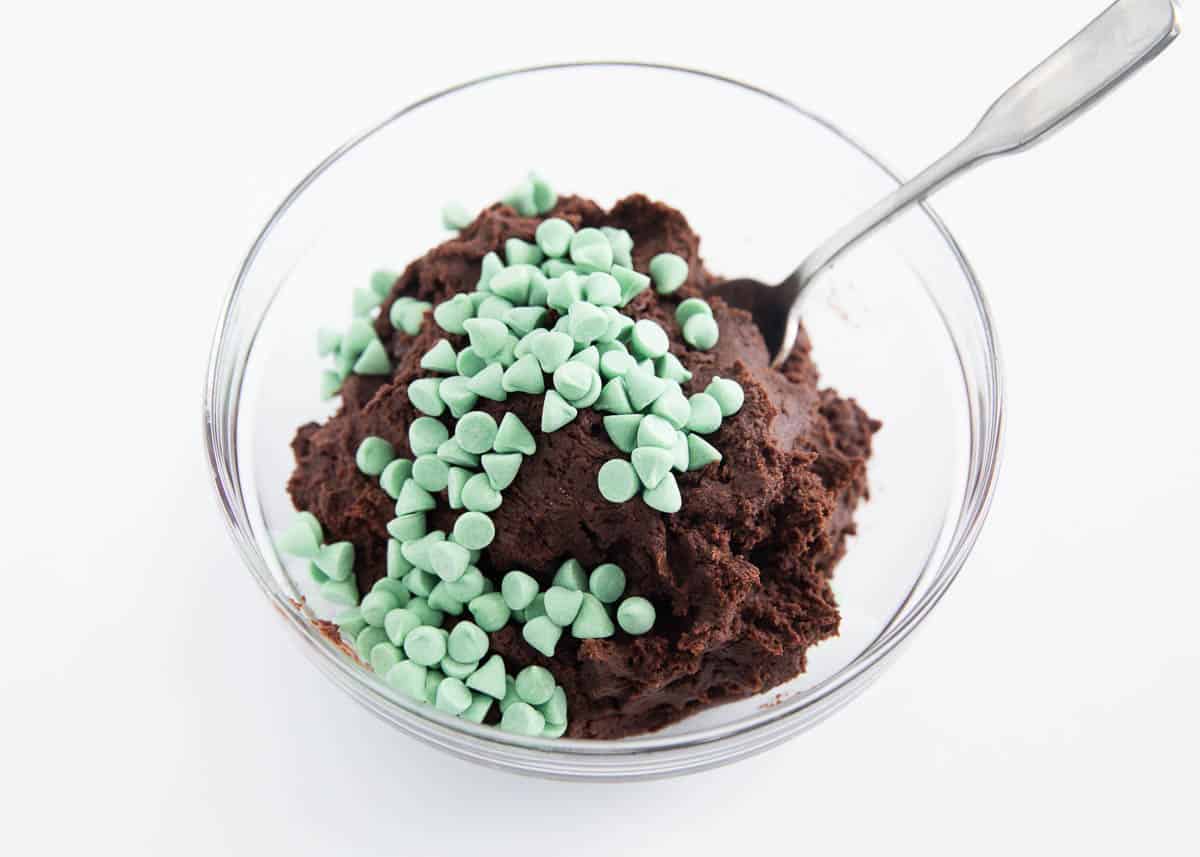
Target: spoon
point(1121, 40)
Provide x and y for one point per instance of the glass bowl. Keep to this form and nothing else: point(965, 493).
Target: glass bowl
point(901, 325)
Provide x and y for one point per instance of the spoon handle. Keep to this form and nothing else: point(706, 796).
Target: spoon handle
point(1121, 40)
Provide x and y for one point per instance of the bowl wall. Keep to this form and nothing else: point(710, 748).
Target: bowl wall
point(899, 324)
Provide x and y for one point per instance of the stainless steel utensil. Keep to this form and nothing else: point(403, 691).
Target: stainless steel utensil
point(1125, 37)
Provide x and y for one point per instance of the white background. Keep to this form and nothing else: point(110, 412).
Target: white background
point(150, 704)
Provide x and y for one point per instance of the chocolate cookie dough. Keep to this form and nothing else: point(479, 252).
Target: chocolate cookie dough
point(739, 576)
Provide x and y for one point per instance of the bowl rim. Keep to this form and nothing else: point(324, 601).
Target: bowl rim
point(530, 755)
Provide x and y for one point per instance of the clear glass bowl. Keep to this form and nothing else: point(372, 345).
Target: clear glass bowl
point(901, 325)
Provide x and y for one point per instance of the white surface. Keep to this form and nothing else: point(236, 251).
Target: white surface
point(151, 705)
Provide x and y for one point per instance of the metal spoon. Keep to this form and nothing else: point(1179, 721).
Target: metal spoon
point(1125, 37)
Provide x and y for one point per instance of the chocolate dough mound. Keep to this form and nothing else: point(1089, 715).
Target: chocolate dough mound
point(740, 577)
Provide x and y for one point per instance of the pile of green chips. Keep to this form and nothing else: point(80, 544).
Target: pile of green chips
point(545, 320)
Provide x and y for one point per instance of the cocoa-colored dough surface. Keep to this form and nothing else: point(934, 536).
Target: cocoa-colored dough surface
point(740, 577)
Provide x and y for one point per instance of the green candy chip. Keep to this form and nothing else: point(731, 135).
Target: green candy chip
point(602, 290)
point(700, 452)
point(623, 430)
point(383, 656)
point(301, 538)
point(407, 527)
point(673, 407)
point(511, 284)
point(535, 685)
point(425, 646)
point(452, 696)
point(470, 585)
point(430, 472)
point(689, 308)
point(336, 560)
point(476, 432)
point(490, 611)
point(655, 431)
point(679, 452)
point(456, 669)
point(440, 358)
point(501, 468)
point(518, 252)
point(635, 615)
point(457, 395)
point(449, 560)
point(478, 495)
point(512, 436)
point(524, 376)
point(413, 498)
point(701, 332)
point(367, 639)
point(474, 530)
point(518, 590)
point(622, 244)
point(331, 384)
point(469, 362)
point(450, 315)
point(364, 300)
point(350, 622)
point(427, 615)
point(454, 484)
point(562, 605)
point(423, 393)
point(705, 414)
point(425, 435)
point(373, 455)
point(523, 320)
point(607, 582)
point(643, 387)
point(394, 476)
point(487, 335)
point(452, 453)
point(669, 368)
point(728, 393)
point(652, 464)
point(344, 592)
point(570, 575)
point(669, 272)
point(552, 350)
point(664, 496)
point(615, 363)
point(613, 399)
point(554, 709)
point(590, 250)
point(478, 709)
point(467, 643)
point(490, 678)
point(556, 412)
point(455, 216)
point(586, 323)
point(399, 623)
point(553, 236)
point(648, 339)
point(573, 380)
point(381, 282)
point(544, 197)
point(407, 677)
point(618, 481)
point(632, 282)
point(488, 268)
point(592, 623)
point(488, 383)
point(521, 718)
point(542, 634)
